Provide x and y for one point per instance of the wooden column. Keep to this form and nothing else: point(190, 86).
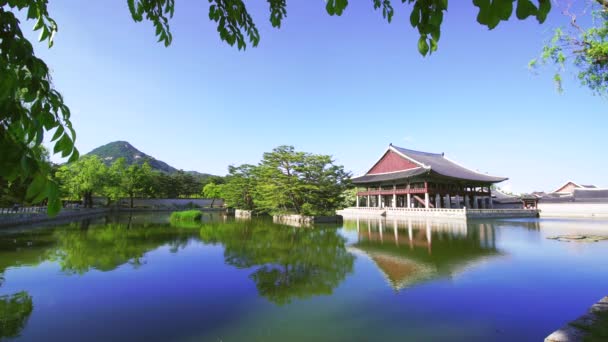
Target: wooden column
point(426, 200)
point(448, 201)
point(394, 196)
point(409, 200)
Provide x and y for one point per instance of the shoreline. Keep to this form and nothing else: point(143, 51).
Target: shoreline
point(15, 220)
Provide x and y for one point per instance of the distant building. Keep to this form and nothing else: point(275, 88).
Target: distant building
point(568, 188)
point(404, 178)
point(576, 192)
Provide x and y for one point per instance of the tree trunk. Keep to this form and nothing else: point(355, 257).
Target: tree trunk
point(131, 198)
point(212, 201)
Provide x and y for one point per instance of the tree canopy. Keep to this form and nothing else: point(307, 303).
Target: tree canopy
point(287, 181)
point(584, 46)
point(30, 105)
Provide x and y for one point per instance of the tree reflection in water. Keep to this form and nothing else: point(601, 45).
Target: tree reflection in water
point(288, 262)
point(106, 247)
point(15, 310)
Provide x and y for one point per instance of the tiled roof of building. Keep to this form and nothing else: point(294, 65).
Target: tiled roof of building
point(590, 194)
point(384, 177)
point(432, 163)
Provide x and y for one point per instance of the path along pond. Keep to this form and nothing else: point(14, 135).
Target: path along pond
point(137, 277)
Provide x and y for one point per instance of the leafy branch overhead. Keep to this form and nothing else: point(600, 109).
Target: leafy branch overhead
point(30, 106)
point(236, 26)
point(585, 48)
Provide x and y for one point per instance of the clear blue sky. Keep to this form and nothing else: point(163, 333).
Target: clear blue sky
point(346, 86)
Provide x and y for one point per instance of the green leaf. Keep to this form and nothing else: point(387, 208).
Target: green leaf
point(423, 46)
point(57, 134)
point(415, 16)
point(525, 9)
point(36, 187)
point(54, 203)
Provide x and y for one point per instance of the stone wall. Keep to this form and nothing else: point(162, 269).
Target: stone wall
point(573, 209)
point(170, 203)
point(8, 220)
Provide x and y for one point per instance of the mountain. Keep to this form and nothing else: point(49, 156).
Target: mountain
point(108, 153)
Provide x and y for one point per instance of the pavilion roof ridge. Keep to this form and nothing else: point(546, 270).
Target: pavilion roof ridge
point(409, 150)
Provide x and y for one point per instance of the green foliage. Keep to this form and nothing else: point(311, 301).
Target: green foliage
point(584, 48)
point(239, 187)
point(130, 181)
point(212, 190)
point(83, 178)
point(14, 312)
point(83, 247)
point(30, 106)
point(287, 181)
point(186, 215)
point(286, 263)
point(349, 198)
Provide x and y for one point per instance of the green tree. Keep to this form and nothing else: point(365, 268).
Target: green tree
point(349, 198)
point(187, 185)
point(238, 191)
point(213, 191)
point(30, 106)
point(83, 178)
point(583, 46)
point(130, 180)
point(303, 183)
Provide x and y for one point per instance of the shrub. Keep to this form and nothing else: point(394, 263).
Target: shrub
point(187, 215)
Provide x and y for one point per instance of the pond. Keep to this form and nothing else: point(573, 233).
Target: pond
point(137, 277)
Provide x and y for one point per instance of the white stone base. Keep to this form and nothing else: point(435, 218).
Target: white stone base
point(445, 213)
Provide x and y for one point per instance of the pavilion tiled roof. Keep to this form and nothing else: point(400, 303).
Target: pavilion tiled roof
point(429, 163)
point(384, 177)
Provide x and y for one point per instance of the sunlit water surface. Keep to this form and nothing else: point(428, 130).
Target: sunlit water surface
point(130, 278)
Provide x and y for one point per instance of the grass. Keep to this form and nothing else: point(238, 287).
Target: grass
point(186, 215)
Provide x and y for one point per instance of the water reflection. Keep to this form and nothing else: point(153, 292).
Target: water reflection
point(411, 251)
point(111, 245)
point(16, 308)
point(287, 262)
point(14, 312)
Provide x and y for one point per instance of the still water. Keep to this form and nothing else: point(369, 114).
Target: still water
point(132, 278)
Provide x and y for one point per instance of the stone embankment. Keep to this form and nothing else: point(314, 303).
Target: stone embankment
point(304, 221)
point(463, 213)
point(8, 220)
point(573, 210)
point(584, 327)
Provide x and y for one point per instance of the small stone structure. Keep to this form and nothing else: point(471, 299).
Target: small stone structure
point(244, 214)
point(303, 221)
point(575, 330)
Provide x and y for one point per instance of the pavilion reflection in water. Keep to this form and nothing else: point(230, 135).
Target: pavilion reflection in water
point(412, 251)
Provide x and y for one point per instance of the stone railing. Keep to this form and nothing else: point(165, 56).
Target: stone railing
point(444, 210)
point(441, 212)
point(40, 217)
point(22, 210)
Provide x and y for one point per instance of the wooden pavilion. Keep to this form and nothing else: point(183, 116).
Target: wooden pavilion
point(404, 178)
